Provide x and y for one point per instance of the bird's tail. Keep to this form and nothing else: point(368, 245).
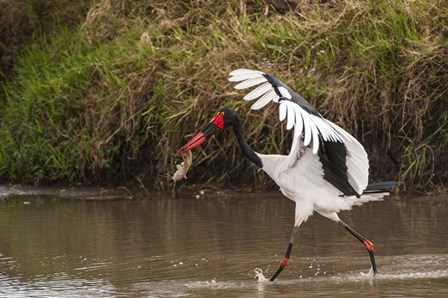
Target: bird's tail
point(380, 187)
point(376, 192)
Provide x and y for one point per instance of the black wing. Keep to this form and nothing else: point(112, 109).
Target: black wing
point(343, 158)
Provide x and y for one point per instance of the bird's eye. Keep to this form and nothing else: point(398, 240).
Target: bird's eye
point(216, 115)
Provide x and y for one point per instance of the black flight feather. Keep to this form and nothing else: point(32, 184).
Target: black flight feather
point(333, 156)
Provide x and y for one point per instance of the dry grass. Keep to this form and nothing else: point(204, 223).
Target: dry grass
point(152, 73)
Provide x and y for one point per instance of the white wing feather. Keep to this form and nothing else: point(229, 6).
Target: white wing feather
point(290, 121)
point(264, 100)
point(305, 124)
point(242, 71)
point(299, 121)
point(307, 128)
point(311, 125)
point(259, 91)
point(282, 112)
point(250, 83)
point(245, 76)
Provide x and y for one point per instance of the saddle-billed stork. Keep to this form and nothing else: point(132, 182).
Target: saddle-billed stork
point(326, 170)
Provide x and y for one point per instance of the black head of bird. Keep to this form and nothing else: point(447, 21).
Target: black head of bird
point(225, 117)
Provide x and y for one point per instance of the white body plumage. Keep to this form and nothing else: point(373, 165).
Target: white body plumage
point(301, 173)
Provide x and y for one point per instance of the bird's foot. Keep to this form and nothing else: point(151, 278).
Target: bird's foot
point(372, 272)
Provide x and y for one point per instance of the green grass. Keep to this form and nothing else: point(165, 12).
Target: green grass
point(111, 99)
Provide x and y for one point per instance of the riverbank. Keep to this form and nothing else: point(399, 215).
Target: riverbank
point(96, 193)
point(107, 92)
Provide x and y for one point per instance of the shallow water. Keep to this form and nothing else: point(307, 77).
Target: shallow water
point(157, 246)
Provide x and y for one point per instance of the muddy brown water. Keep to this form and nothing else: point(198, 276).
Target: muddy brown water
point(157, 246)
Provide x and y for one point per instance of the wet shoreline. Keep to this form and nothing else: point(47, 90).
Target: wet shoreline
point(135, 192)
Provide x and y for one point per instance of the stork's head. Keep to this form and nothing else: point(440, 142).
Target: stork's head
point(223, 118)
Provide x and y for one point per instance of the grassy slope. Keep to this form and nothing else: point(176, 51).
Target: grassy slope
point(114, 97)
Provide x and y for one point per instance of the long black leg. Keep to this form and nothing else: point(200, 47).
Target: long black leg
point(367, 243)
point(285, 259)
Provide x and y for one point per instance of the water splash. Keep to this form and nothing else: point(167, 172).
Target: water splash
point(259, 276)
